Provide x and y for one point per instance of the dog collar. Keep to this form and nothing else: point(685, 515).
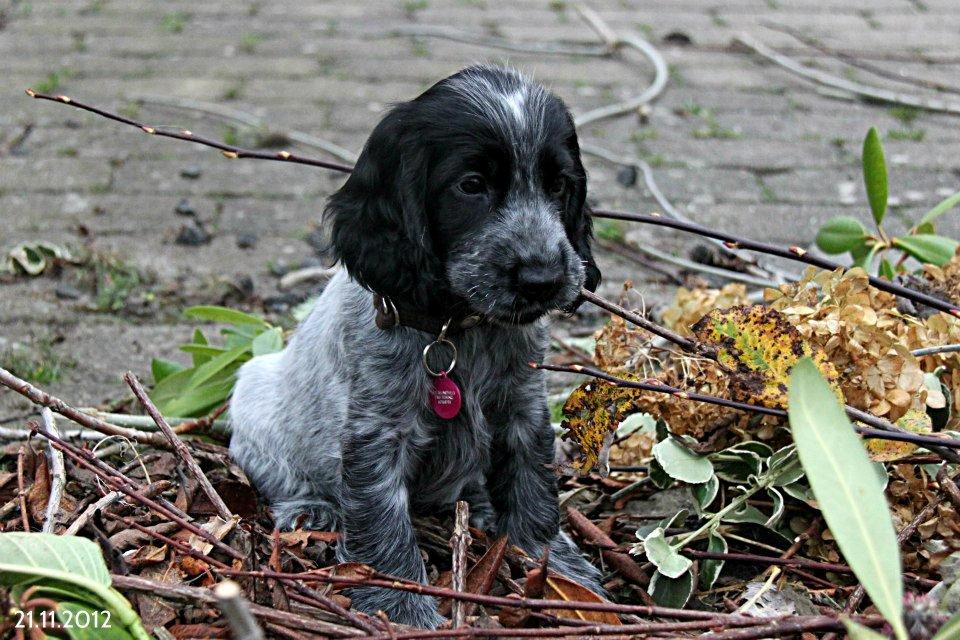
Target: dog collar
point(390, 315)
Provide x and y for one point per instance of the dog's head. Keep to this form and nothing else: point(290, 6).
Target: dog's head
point(470, 198)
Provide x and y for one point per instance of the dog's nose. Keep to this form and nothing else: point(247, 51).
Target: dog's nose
point(539, 282)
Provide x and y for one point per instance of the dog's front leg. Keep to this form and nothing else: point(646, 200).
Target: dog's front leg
point(523, 489)
point(377, 528)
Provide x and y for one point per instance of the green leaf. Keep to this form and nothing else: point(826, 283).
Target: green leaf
point(841, 234)
point(705, 493)
point(667, 560)
point(710, 569)
point(207, 370)
point(200, 400)
point(671, 592)
point(100, 627)
point(886, 269)
point(60, 565)
point(682, 464)
point(945, 205)
point(224, 315)
point(875, 175)
point(950, 629)
point(202, 351)
point(270, 341)
point(859, 632)
point(929, 248)
point(846, 487)
point(199, 339)
point(659, 477)
point(161, 368)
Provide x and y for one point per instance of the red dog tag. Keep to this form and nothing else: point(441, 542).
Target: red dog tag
point(445, 397)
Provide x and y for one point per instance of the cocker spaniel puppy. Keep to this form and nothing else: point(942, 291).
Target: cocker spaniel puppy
point(407, 388)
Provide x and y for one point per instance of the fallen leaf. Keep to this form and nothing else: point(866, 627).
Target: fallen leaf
point(914, 421)
point(560, 588)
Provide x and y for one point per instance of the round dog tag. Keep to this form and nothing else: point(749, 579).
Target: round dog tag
point(445, 397)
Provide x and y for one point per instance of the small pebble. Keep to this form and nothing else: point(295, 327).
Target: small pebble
point(184, 208)
point(627, 176)
point(66, 291)
point(247, 240)
point(191, 172)
point(193, 235)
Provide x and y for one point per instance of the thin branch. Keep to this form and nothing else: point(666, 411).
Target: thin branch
point(114, 496)
point(932, 351)
point(460, 544)
point(618, 560)
point(794, 253)
point(228, 150)
point(58, 474)
point(885, 431)
point(57, 405)
point(243, 626)
point(866, 92)
point(455, 35)
point(862, 64)
point(22, 488)
point(684, 343)
point(221, 507)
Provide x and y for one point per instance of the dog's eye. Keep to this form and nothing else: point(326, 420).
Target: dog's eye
point(472, 185)
point(558, 187)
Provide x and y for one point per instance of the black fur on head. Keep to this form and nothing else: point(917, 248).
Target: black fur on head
point(470, 198)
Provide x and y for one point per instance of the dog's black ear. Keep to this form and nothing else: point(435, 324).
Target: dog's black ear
point(582, 237)
point(378, 218)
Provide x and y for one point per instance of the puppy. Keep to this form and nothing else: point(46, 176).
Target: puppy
point(407, 388)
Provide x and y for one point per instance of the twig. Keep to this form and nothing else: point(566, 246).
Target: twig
point(196, 594)
point(221, 507)
point(621, 562)
point(794, 253)
point(862, 64)
point(44, 399)
point(307, 274)
point(249, 120)
point(884, 430)
point(211, 421)
point(661, 72)
point(243, 626)
point(21, 488)
point(932, 351)
point(456, 35)
point(125, 485)
point(864, 91)
point(228, 150)
point(460, 544)
point(179, 545)
point(58, 474)
point(150, 491)
point(684, 343)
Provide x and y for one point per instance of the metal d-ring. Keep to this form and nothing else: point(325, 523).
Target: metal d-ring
point(441, 339)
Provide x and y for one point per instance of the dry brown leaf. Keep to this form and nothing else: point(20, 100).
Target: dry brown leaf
point(560, 588)
point(216, 526)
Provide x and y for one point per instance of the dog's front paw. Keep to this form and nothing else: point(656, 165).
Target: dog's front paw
point(400, 607)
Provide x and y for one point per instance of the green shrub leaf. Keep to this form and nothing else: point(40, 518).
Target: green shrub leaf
point(841, 234)
point(682, 464)
point(875, 175)
point(224, 315)
point(857, 631)
point(69, 569)
point(161, 368)
point(671, 592)
point(929, 248)
point(270, 341)
point(846, 488)
point(667, 560)
point(945, 205)
point(710, 569)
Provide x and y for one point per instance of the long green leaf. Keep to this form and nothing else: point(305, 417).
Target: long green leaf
point(65, 565)
point(857, 631)
point(841, 234)
point(847, 490)
point(225, 315)
point(945, 205)
point(927, 247)
point(875, 175)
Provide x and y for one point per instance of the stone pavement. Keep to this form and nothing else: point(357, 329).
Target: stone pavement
point(736, 143)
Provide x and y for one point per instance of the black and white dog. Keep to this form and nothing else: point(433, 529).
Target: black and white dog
point(407, 388)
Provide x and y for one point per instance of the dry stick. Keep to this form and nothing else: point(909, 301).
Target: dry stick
point(623, 563)
point(228, 150)
point(150, 491)
point(884, 431)
point(460, 543)
point(123, 484)
point(179, 545)
point(794, 253)
point(57, 405)
point(684, 343)
point(222, 509)
point(867, 92)
point(21, 490)
point(243, 626)
point(58, 474)
point(862, 64)
point(182, 592)
point(932, 351)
